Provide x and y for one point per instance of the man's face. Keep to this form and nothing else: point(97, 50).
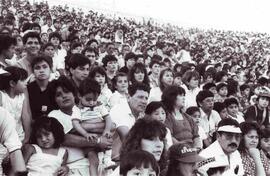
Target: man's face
point(138, 101)
point(91, 56)
point(9, 52)
point(207, 104)
point(32, 46)
point(80, 73)
point(229, 142)
point(112, 66)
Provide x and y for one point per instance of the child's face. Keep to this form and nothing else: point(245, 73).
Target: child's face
point(193, 83)
point(213, 90)
point(141, 171)
point(20, 86)
point(45, 139)
point(223, 91)
point(167, 78)
point(42, 70)
point(100, 79)
point(265, 144)
point(177, 81)
point(232, 110)
point(64, 98)
point(159, 114)
point(49, 51)
point(89, 100)
point(55, 41)
point(122, 84)
point(223, 113)
point(156, 68)
point(196, 117)
point(263, 102)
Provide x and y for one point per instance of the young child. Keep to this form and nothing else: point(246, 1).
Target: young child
point(99, 74)
point(222, 92)
point(156, 110)
point(139, 162)
point(221, 109)
point(194, 112)
point(232, 106)
point(93, 112)
point(265, 141)
point(45, 156)
point(14, 98)
point(120, 84)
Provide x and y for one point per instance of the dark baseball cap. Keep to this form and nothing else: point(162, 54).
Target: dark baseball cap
point(184, 153)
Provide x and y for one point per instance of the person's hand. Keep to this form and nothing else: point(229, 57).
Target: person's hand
point(107, 133)
point(105, 143)
point(62, 171)
point(254, 153)
point(90, 137)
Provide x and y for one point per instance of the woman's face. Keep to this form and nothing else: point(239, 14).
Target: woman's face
point(154, 146)
point(167, 78)
point(64, 99)
point(251, 139)
point(139, 76)
point(193, 83)
point(159, 114)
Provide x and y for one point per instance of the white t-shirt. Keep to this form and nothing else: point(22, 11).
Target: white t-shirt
point(155, 94)
point(65, 119)
point(97, 112)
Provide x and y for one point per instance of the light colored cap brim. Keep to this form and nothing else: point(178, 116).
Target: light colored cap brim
point(230, 129)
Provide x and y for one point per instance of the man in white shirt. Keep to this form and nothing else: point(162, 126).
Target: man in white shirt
point(224, 149)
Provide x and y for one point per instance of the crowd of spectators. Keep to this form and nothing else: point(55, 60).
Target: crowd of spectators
point(84, 93)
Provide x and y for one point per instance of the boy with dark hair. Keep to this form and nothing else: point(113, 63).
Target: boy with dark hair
point(79, 67)
point(232, 106)
point(92, 55)
point(222, 92)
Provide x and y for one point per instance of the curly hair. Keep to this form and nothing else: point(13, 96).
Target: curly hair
point(141, 130)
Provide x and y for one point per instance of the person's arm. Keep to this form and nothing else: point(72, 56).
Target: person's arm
point(63, 170)
point(94, 127)
point(122, 132)
point(108, 126)
point(28, 150)
point(72, 140)
point(255, 154)
point(77, 125)
point(26, 118)
point(17, 161)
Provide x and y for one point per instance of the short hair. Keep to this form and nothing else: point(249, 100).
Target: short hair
point(91, 41)
point(65, 84)
point(90, 50)
point(154, 105)
point(115, 78)
point(192, 109)
point(99, 70)
point(77, 60)
point(40, 58)
point(153, 62)
point(228, 121)
point(265, 132)
point(169, 96)
point(89, 85)
point(57, 35)
point(6, 42)
point(221, 85)
point(75, 45)
point(244, 87)
point(46, 45)
point(49, 124)
point(35, 25)
point(219, 106)
point(208, 86)
point(15, 74)
point(230, 101)
point(220, 75)
point(108, 58)
point(139, 86)
point(130, 55)
point(203, 94)
point(138, 159)
point(262, 81)
point(31, 34)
